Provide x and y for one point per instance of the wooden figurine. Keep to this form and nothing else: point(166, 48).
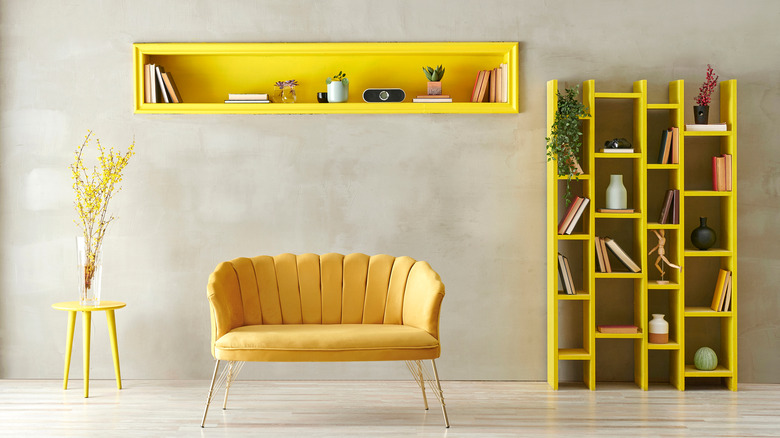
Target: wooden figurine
point(661, 255)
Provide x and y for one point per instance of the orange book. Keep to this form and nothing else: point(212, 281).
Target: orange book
point(483, 86)
point(477, 85)
point(618, 329)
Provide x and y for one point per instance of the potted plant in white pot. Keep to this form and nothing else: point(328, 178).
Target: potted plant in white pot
point(338, 88)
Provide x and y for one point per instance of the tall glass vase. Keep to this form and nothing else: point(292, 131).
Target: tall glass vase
point(90, 273)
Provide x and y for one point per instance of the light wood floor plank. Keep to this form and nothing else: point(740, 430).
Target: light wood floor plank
point(382, 409)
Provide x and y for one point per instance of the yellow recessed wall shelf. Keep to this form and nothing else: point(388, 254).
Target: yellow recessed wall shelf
point(685, 297)
point(206, 72)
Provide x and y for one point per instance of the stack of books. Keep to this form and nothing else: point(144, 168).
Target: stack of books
point(711, 127)
point(159, 86)
point(670, 210)
point(721, 299)
point(248, 98)
point(432, 98)
point(721, 173)
point(492, 85)
point(670, 146)
point(573, 215)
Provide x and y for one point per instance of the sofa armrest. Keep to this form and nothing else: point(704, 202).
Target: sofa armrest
point(422, 299)
point(225, 305)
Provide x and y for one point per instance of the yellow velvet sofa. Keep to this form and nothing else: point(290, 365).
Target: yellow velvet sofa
point(331, 307)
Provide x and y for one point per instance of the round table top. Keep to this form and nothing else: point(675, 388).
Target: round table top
point(74, 305)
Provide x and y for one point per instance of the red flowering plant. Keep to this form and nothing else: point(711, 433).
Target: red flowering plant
point(706, 89)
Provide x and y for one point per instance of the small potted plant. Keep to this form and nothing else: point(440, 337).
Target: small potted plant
point(701, 110)
point(434, 76)
point(338, 88)
point(564, 142)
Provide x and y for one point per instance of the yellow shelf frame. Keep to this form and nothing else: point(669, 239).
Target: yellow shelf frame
point(644, 288)
point(206, 72)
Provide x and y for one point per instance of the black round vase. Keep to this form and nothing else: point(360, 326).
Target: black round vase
point(703, 237)
point(701, 114)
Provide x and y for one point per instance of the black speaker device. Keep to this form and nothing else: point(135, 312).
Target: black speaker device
point(384, 95)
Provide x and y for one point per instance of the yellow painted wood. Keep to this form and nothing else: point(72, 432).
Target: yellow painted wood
point(708, 133)
point(111, 320)
point(552, 247)
point(706, 312)
point(573, 354)
point(644, 289)
point(668, 346)
point(86, 314)
point(86, 319)
point(206, 72)
point(579, 296)
point(69, 346)
point(719, 371)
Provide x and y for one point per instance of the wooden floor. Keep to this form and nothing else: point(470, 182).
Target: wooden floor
point(382, 409)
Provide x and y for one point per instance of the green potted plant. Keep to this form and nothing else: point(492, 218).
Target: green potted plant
point(338, 88)
point(564, 142)
point(434, 76)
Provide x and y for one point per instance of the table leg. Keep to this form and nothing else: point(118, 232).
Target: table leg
point(87, 320)
point(114, 348)
point(69, 346)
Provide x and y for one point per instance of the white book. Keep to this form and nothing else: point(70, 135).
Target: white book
point(710, 127)
point(247, 96)
point(247, 101)
point(161, 83)
point(617, 150)
point(430, 99)
point(151, 70)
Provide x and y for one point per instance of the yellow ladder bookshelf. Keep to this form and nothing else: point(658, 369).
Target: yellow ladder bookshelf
point(684, 298)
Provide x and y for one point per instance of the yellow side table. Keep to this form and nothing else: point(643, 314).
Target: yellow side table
point(72, 307)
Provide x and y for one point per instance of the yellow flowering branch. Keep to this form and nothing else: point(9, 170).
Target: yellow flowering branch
point(93, 193)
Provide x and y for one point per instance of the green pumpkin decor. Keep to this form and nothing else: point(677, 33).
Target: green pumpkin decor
point(705, 359)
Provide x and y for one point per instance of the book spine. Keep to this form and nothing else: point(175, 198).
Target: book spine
point(715, 173)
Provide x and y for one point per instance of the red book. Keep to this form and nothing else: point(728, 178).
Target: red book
point(477, 84)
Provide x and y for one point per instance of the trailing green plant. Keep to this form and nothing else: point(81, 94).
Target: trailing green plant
point(564, 142)
point(339, 77)
point(434, 74)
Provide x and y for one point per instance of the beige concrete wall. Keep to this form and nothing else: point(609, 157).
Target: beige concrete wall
point(464, 192)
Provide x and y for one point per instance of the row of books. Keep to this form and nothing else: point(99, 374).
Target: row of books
point(492, 85)
point(721, 173)
point(670, 210)
point(248, 98)
point(573, 215)
point(602, 243)
point(721, 299)
point(670, 146)
point(566, 279)
point(159, 86)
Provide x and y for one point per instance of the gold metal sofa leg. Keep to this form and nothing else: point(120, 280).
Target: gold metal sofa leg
point(421, 376)
point(415, 367)
point(234, 367)
point(440, 394)
point(211, 393)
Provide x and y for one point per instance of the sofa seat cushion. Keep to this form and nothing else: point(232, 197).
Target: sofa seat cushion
point(326, 342)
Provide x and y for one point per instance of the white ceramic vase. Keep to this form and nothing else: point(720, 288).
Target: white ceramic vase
point(338, 91)
point(617, 198)
point(659, 330)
